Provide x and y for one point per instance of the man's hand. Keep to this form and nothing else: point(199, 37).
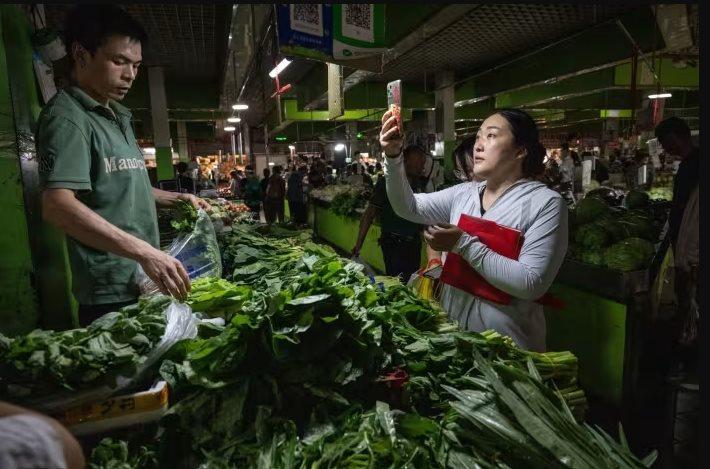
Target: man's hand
point(442, 236)
point(196, 202)
point(355, 252)
point(390, 138)
point(167, 272)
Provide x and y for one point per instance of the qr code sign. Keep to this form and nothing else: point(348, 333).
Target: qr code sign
point(357, 21)
point(307, 18)
point(358, 14)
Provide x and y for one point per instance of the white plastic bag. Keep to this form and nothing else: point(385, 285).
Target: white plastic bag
point(197, 251)
point(181, 324)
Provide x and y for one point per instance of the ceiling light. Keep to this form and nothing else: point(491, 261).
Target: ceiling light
point(234, 119)
point(659, 96)
point(240, 107)
point(230, 128)
point(279, 68)
point(340, 147)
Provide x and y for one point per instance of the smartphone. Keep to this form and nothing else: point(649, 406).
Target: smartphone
point(394, 101)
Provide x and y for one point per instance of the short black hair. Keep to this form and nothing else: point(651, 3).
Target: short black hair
point(92, 25)
point(413, 149)
point(672, 125)
point(463, 155)
point(526, 135)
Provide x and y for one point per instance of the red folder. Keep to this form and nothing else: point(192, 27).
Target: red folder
point(501, 239)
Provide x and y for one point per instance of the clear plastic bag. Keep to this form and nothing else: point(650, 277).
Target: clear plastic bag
point(198, 252)
point(181, 324)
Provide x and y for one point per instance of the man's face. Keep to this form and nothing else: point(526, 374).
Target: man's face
point(110, 72)
point(414, 163)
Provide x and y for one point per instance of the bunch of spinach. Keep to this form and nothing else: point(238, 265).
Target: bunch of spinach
point(45, 362)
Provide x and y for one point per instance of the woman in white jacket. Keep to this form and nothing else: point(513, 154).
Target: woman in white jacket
point(507, 158)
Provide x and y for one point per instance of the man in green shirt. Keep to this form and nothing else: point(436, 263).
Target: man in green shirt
point(401, 239)
point(95, 186)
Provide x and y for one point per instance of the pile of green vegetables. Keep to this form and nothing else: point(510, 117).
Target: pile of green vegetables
point(46, 363)
point(345, 203)
point(320, 366)
point(618, 239)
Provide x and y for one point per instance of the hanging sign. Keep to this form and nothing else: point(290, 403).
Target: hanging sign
point(351, 34)
point(305, 30)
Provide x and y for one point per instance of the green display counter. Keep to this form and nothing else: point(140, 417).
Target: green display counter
point(601, 323)
point(341, 232)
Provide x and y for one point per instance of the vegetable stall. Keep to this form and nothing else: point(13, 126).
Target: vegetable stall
point(611, 283)
point(294, 358)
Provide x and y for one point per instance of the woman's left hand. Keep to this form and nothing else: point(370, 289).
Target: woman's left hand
point(442, 236)
point(196, 202)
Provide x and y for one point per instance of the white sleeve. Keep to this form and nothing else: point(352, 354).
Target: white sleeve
point(543, 251)
point(29, 442)
point(425, 209)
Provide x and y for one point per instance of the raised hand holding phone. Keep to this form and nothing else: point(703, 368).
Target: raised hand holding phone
point(391, 133)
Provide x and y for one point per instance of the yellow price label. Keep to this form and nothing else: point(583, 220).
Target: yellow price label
point(118, 406)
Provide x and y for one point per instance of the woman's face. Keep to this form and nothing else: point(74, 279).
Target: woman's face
point(495, 154)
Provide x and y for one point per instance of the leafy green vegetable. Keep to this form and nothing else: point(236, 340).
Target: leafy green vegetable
point(114, 454)
point(44, 362)
point(589, 210)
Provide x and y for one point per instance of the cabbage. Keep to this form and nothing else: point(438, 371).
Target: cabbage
point(594, 257)
point(614, 228)
point(640, 227)
point(590, 210)
point(644, 247)
point(624, 257)
point(592, 236)
point(637, 199)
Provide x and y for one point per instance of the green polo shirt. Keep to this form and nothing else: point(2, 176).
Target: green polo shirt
point(83, 146)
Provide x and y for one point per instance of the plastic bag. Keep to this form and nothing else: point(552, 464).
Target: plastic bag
point(181, 324)
point(426, 287)
point(197, 251)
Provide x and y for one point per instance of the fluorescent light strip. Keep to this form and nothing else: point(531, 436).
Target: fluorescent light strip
point(279, 68)
point(659, 96)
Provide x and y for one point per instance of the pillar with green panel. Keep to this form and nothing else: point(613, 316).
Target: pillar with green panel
point(35, 251)
point(161, 126)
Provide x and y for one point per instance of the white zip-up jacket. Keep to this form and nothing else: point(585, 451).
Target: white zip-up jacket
point(529, 206)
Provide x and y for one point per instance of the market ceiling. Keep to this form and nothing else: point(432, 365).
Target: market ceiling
point(569, 64)
point(565, 62)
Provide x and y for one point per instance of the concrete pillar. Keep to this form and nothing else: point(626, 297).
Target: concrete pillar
point(161, 127)
point(183, 150)
point(445, 126)
point(351, 143)
point(246, 140)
